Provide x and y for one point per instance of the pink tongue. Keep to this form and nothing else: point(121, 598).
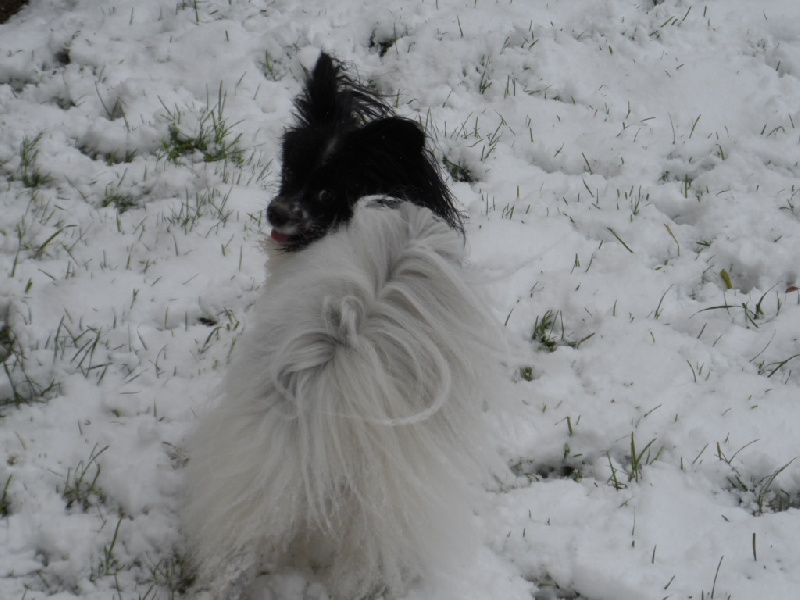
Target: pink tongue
point(279, 237)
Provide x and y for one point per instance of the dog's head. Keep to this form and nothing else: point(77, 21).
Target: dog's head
point(348, 144)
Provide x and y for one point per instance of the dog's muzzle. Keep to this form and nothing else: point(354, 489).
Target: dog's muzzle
point(288, 219)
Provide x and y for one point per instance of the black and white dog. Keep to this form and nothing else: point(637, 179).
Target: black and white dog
point(350, 434)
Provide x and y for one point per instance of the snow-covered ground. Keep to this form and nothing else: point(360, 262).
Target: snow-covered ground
point(632, 177)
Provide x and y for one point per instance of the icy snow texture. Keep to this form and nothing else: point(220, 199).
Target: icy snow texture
point(618, 157)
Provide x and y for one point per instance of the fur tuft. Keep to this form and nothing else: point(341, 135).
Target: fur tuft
point(351, 418)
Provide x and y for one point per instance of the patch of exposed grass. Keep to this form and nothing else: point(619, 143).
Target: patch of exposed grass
point(193, 209)
point(549, 332)
point(759, 493)
point(81, 487)
point(640, 458)
point(23, 387)
point(122, 202)
point(383, 43)
point(108, 565)
point(458, 171)
point(173, 574)
point(526, 373)
point(5, 503)
point(30, 173)
point(630, 469)
point(211, 137)
point(547, 588)
point(569, 466)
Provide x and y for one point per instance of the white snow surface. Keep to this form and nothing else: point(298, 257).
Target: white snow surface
point(632, 168)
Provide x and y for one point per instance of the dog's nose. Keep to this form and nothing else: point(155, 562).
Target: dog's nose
point(278, 214)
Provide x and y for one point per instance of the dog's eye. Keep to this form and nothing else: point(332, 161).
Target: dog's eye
point(325, 196)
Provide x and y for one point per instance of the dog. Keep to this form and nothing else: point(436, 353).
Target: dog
point(351, 436)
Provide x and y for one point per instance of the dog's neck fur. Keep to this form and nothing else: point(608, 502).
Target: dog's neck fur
point(277, 257)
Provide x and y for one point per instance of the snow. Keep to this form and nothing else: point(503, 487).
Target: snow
point(618, 157)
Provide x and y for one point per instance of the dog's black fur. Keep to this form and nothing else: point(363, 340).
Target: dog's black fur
point(347, 143)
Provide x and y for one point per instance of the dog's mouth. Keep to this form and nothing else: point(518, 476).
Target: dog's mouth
point(281, 238)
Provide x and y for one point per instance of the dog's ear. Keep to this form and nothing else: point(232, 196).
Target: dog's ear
point(317, 104)
point(397, 134)
point(332, 99)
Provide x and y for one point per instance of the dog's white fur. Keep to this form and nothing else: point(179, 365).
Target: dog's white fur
point(350, 425)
